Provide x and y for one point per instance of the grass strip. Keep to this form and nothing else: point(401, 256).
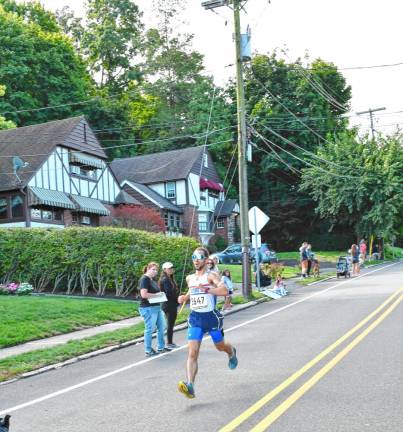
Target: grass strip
point(14, 366)
point(24, 319)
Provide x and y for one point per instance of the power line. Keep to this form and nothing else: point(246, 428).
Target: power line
point(298, 158)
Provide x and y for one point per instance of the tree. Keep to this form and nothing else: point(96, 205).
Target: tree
point(362, 187)
point(110, 40)
point(39, 68)
point(138, 217)
point(299, 103)
point(5, 124)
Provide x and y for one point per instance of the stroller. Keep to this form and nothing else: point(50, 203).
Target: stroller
point(343, 267)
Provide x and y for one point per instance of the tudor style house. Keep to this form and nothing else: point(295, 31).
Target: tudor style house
point(184, 186)
point(55, 174)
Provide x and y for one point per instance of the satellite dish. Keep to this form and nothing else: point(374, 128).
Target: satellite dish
point(18, 163)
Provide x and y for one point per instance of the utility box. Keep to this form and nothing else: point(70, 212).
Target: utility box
point(246, 52)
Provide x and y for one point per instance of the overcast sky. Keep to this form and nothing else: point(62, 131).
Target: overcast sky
point(349, 33)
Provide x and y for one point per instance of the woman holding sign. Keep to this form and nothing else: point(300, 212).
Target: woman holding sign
point(150, 309)
point(204, 317)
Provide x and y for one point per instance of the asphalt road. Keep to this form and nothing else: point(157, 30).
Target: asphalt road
point(326, 358)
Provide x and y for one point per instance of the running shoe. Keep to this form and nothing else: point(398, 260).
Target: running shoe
point(233, 361)
point(187, 389)
point(163, 350)
point(151, 353)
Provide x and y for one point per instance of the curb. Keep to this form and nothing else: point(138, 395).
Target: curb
point(116, 347)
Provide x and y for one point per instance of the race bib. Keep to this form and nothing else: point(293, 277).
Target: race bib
point(199, 301)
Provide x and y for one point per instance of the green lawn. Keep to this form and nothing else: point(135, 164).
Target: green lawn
point(329, 256)
point(236, 271)
point(34, 317)
point(12, 367)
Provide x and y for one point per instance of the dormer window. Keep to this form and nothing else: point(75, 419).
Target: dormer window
point(170, 190)
point(205, 160)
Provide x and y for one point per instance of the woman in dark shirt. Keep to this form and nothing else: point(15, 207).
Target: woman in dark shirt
point(168, 284)
point(151, 312)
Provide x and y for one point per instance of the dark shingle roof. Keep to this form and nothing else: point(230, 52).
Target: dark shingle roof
point(155, 197)
point(164, 166)
point(34, 144)
point(124, 198)
point(225, 208)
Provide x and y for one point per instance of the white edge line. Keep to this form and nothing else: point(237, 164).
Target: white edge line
point(141, 362)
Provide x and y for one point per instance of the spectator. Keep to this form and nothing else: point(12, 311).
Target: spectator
point(215, 261)
point(363, 249)
point(279, 286)
point(303, 259)
point(226, 278)
point(311, 257)
point(168, 285)
point(355, 256)
point(150, 311)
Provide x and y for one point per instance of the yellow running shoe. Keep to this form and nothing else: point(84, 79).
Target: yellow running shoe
point(187, 389)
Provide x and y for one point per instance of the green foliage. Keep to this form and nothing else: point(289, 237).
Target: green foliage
point(86, 260)
point(293, 88)
point(38, 68)
point(369, 196)
point(220, 243)
point(110, 40)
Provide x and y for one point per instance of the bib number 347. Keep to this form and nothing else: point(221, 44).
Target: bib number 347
point(198, 302)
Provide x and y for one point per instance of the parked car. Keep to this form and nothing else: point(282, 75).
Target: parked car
point(233, 254)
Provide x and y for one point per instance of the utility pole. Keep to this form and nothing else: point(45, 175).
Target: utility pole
point(370, 112)
point(242, 167)
point(242, 144)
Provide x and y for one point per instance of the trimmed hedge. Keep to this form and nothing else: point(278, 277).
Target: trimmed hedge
point(84, 260)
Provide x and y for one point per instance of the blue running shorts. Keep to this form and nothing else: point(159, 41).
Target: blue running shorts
point(205, 322)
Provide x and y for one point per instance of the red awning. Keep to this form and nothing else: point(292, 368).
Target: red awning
point(210, 184)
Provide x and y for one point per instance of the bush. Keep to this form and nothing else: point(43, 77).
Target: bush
point(220, 243)
point(16, 289)
point(87, 259)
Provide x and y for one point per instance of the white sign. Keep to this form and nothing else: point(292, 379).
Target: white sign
point(257, 219)
point(256, 241)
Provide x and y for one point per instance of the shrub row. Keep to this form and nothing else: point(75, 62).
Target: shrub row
point(85, 260)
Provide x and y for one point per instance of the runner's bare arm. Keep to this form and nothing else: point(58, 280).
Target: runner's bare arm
point(184, 297)
point(219, 287)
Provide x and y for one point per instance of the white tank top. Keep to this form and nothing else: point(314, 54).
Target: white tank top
point(199, 300)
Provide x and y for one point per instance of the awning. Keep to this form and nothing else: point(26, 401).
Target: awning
point(210, 184)
point(52, 198)
point(78, 157)
point(90, 205)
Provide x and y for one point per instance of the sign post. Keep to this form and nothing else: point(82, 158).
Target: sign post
point(257, 220)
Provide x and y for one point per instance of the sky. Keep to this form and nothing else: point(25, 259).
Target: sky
point(349, 33)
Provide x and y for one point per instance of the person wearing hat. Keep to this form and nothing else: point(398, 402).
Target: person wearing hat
point(168, 284)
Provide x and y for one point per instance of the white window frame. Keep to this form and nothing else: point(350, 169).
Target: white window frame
point(221, 222)
point(168, 190)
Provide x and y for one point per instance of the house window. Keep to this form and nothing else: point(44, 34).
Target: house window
point(205, 160)
point(3, 208)
point(17, 208)
point(171, 220)
point(166, 219)
point(170, 190)
point(203, 194)
point(178, 221)
point(221, 222)
point(84, 171)
point(47, 214)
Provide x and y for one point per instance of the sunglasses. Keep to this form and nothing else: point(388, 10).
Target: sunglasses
point(198, 257)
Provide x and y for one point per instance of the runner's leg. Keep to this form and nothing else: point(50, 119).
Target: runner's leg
point(192, 362)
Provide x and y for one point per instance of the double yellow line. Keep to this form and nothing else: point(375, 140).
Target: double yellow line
point(284, 406)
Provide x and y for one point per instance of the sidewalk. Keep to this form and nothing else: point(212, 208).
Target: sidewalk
point(81, 334)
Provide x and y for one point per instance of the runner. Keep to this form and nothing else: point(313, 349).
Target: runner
point(204, 317)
